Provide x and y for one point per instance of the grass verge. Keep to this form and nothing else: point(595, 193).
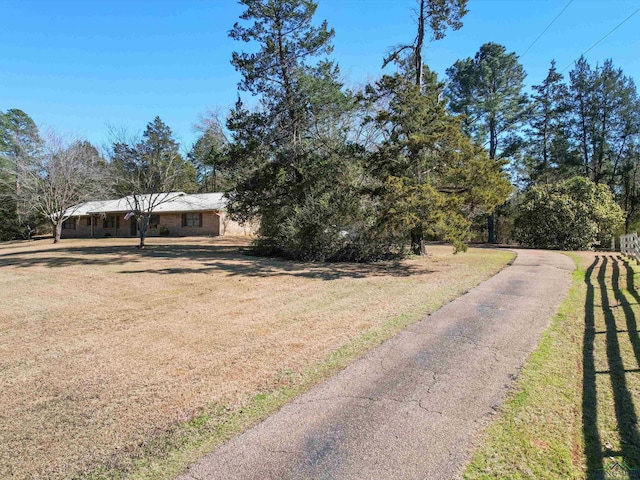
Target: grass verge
point(572, 412)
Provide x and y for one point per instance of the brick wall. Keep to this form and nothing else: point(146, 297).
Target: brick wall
point(213, 223)
point(78, 231)
point(83, 229)
point(231, 227)
point(173, 221)
point(123, 228)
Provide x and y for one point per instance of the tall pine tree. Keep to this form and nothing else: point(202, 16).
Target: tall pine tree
point(435, 16)
point(20, 145)
point(549, 156)
point(434, 180)
point(605, 119)
point(292, 168)
point(488, 91)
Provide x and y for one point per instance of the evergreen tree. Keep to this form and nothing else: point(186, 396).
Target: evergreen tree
point(290, 161)
point(20, 145)
point(207, 153)
point(574, 214)
point(605, 118)
point(591, 128)
point(437, 16)
point(487, 91)
point(433, 179)
point(146, 172)
point(286, 39)
point(549, 156)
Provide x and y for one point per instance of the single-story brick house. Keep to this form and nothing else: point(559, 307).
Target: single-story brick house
point(177, 214)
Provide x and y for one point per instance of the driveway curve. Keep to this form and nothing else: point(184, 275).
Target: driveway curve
point(411, 408)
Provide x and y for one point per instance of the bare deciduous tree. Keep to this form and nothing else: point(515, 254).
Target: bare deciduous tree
point(56, 183)
point(147, 172)
point(207, 152)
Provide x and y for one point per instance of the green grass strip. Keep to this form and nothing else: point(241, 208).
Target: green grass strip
point(538, 434)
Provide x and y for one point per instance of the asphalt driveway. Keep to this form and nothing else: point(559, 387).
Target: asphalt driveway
point(411, 408)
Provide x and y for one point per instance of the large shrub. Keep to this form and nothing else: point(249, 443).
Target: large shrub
point(575, 214)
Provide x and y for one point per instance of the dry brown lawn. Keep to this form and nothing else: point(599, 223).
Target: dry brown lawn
point(103, 346)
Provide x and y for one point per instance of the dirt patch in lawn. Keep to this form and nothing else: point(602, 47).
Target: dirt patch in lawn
point(104, 346)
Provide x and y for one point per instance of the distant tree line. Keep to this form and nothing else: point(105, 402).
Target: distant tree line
point(336, 173)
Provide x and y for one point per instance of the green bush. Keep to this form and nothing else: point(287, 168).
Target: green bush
point(324, 224)
point(575, 214)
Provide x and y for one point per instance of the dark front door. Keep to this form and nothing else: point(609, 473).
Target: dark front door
point(134, 226)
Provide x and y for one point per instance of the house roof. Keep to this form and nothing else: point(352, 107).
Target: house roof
point(194, 202)
point(85, 208)
point(174, 202)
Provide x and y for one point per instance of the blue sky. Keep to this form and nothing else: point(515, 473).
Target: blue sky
point(84, 65)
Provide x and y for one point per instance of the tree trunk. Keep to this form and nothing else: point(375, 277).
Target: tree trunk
point(583, 139)
point(545, 138)
point(57, 231)
point(493, 138)
point(143, 230)
point(417, 241)
point(286, 85)
point(493, 148)
point(419, 45)
point(18, 194)
point(627, 221)
point(491, 228)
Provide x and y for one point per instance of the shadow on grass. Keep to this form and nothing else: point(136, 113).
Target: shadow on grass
point(625, 414)
point(632, 325)
point(592, 444)
point(232, 260)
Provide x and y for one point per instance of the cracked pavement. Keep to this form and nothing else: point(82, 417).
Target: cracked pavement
point(412, 407)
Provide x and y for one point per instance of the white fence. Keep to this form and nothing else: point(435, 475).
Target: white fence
point(630, 246)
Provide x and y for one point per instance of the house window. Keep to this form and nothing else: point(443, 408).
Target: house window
point(88, 221)
point(191, 219)
point(154, 220)
point(69, 224)
point(110, 221)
